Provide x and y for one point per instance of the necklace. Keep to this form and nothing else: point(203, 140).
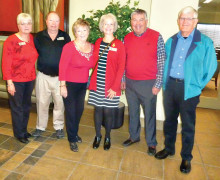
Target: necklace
point(86, 55)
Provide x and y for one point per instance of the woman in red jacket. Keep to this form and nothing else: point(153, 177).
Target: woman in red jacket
point(18, 66)
point(106, 79)
point(75, 62)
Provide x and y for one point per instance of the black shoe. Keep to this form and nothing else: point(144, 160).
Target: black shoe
point(59, 133)
point(163, 154)
point(96, 142)
point(37, 133)
point(151, 151)
point(74, 147)
point(107, 144)
point(78, 139)
point(129, 142)
point(185, 166)
point(23, 140)
point(27, 135)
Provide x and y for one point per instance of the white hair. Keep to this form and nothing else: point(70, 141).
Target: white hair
point(188, 9)
point(108, 16)
point(23, 16)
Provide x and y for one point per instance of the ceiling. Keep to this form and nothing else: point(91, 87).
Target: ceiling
point(209, 12)
point(214, 5)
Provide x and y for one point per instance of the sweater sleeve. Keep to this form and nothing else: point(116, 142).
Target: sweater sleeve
point(121, 67)
point(64, 61)
point(7, 58)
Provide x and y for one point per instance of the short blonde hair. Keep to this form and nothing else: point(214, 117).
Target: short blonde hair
point(188, 9)
point(80, 22)
point(108, 16)
point(23, 16)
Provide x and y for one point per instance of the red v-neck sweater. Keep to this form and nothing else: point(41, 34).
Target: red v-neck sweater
point(141, 52)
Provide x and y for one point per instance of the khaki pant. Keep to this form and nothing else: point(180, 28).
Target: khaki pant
point(47, 88)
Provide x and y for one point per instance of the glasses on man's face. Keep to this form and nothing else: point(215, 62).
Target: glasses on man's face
point(187, 19)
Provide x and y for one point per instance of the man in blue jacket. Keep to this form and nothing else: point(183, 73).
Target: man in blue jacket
point(189, 66)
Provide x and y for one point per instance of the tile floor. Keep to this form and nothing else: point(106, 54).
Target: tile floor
point(49, 158)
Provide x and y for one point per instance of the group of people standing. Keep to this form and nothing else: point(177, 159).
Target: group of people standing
point(140, 65)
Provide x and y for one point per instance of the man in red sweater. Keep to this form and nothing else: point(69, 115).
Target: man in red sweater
point(145, 53)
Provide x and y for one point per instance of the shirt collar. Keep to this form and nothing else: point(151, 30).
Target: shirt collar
point(140, 34)
point(45, 31)
point(179, 35)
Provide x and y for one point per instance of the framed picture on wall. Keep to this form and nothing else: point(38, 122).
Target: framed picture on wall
point(38, 9)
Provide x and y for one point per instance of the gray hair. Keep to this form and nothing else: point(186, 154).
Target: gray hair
point(188, 9)
point(139, 11)
point(23, 16)
point(106, 16)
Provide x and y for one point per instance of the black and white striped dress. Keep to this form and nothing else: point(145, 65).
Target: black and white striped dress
point(97, 98)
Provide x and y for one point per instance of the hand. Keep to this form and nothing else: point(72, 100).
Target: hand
point(111, 94)
point(123, 85)
point(63, 91)
point(11, 89)
point(155, 90)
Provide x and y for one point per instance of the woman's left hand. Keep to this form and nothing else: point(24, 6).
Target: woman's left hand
point(111, 94)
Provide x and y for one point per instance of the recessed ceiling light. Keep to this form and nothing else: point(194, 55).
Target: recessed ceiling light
point(207, 1)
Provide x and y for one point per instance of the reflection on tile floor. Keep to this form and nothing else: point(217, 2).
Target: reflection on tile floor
point(49, 158)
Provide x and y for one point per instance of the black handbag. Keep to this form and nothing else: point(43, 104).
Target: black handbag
point(118, 116)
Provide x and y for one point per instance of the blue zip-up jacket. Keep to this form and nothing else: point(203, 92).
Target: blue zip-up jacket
point(199, 66)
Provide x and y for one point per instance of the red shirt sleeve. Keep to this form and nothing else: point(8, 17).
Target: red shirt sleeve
point(7, 60)
point(64, 61)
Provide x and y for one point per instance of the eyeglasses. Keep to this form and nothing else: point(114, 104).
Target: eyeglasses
point(187, 19)
point(23, 24)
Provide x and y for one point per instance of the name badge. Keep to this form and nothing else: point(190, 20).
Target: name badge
point(60, 38)
point(112, 49)
point(22, 43)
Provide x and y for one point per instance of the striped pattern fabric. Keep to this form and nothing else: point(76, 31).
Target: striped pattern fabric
point(97, 98)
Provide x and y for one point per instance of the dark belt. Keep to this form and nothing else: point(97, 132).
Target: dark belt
point(51, 75)
point(177, 80)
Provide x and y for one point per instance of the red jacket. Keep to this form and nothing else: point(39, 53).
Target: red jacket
point(114, 68)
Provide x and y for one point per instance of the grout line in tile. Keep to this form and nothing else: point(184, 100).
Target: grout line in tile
point(77, 164)
point(5, 140)
point(138, 175)
point(18, 166)
point(203, 164)
point(121, 163)
point(13, 171)
point(163, 164)
point(30, 167)
point(212, 166)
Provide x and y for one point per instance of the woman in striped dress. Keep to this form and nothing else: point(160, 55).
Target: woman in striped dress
point(106, 79)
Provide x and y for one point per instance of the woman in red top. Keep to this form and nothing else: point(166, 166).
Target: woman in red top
point(75, 62)
point(18, 66)
point(106, 79)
